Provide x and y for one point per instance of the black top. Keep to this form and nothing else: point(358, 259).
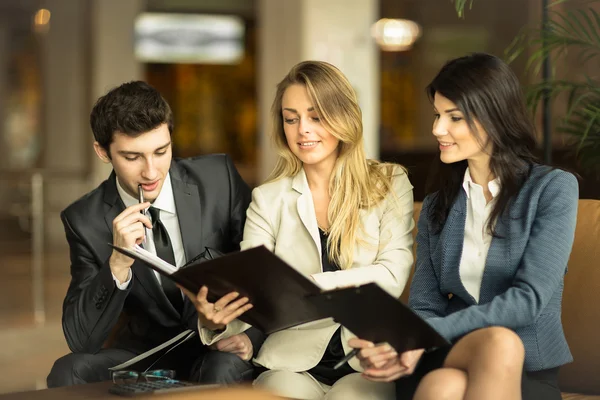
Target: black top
point(324, 371)
point(328, 266)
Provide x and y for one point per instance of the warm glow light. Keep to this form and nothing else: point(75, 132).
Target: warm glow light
point(42, 17)
point(395, 34)
point(41, 21)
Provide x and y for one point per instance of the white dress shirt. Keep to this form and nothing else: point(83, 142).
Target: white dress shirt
point(477, 237)
point(165, 202)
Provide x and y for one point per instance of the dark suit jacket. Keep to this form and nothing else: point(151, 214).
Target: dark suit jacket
point(524, 272)
point(211, 200)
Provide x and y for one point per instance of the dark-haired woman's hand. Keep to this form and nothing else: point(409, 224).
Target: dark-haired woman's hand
point(382, 363)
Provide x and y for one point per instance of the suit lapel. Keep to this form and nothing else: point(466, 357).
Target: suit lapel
point(189, 212)
point(306, 208)
point(113, 202)
point(189, 215)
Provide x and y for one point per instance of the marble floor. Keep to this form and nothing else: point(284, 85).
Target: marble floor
point(28, 347)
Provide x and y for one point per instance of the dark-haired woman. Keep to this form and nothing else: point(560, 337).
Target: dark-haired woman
point(495, 234)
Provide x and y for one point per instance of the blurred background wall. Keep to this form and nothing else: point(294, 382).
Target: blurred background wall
point(58, 56)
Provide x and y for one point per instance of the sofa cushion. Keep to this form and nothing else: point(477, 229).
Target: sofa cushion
point(581, 304)
point(573, 396)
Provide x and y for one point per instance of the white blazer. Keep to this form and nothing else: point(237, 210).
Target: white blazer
point(282, 218)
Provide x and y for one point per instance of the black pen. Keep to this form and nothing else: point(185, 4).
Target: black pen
point(141, 199)
point(346, 358)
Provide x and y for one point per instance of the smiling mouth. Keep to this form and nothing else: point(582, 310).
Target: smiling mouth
point(307, 145)
point(446, 144)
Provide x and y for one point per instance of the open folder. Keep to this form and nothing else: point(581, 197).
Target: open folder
point(372, 314)
point(283, 297)
point(277, 291)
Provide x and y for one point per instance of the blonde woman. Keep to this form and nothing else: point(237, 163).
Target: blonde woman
point(334, 216)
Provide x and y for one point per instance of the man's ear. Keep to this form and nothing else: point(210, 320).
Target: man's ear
point(101, 153)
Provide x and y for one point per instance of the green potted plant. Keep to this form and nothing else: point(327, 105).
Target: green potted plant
point(576, 32)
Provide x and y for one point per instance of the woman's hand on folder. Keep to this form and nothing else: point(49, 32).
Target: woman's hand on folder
point(217, 315)
point(382, 363)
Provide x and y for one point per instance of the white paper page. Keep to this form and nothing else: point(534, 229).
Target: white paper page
point(154, 260)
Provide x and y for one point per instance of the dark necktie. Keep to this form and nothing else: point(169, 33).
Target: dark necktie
point(164, 250)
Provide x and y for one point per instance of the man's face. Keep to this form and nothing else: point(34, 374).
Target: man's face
point(144, 160)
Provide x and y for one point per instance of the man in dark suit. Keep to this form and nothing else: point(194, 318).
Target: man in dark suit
point(192, 204)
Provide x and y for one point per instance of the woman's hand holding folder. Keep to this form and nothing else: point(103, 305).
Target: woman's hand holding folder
point(382, 363)
point(217, 315)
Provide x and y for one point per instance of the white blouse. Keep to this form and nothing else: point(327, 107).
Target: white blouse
point(477, 238)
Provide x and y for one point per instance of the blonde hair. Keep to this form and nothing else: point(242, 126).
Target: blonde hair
point(356, 183)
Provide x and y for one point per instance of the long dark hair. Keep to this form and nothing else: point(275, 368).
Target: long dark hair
point(485, 90)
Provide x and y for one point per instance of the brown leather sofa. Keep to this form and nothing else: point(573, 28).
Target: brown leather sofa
point(579, 380)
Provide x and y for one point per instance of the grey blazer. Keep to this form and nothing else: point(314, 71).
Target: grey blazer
point(524, 272)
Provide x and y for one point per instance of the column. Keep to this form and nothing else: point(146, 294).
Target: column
point(113, 58)
point(336, 31)
point(64, 60)
point(87, 50)
point(4, 59)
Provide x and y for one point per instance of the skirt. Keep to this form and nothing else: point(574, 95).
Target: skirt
point(536, 385)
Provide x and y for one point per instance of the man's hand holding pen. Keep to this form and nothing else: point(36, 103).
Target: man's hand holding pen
point(128, 230)
point(143, 211)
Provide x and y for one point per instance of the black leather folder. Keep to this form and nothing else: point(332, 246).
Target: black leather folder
point(277, 291)
point(372, 314)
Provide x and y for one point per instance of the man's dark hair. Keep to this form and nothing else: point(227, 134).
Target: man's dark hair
point(131, 109)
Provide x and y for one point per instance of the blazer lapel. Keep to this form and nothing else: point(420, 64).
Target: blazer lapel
point(452, 245)
point(496, 260)
point(306, 208)
point(143, 273)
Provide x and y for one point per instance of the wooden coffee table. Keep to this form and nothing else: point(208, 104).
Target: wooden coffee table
point(99, 391)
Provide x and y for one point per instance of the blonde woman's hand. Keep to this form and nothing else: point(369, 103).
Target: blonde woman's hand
point(217, 315)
